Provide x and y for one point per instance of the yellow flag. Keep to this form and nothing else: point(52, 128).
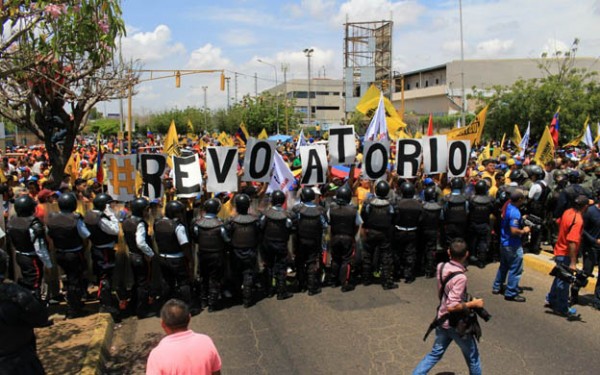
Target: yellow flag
point(403, 135)
point(485, 154)
point(3, 178)
point(502, 143)
point(472, 132)
point(577, 140)
point(545, 149)
point(369, 102)
point(224, 139)
point(171, 145)
point(516, 138)
point(263, 134)
point(72, 167)
point(418, 135)
point(190, 130)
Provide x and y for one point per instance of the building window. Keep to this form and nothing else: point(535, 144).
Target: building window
point(302, 94)
point(417, 85)
point(335, 93)
point(328, 108)
point(437, 81)
point(408, 86)
point(426, 83)
point(322, 93)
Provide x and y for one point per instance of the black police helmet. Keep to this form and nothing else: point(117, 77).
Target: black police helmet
point(307, 194)
point(481, 187)
point(343, 195)
point(3, 264)
point(24, 206)
point(430, 194)
point(382, 189)
point(538, 172)
point(138, 206)
point(277, 198)
point(516, 175)
point(67, 202)
point(212, 206)
point(101, 201)
point(174, 209)
point(407, 189)
point(242, 203)
point(574, 176)
point(457, 183)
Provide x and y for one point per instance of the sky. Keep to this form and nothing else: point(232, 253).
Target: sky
point(233, 34)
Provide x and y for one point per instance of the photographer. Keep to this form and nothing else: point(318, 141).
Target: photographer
point(511, 249)
point(570, 227)
point(452, 289)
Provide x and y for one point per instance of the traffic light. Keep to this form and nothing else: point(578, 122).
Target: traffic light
point(222, 81)
point(177, 79)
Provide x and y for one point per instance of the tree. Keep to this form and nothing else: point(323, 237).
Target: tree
point(574, 90)
point(56, 65)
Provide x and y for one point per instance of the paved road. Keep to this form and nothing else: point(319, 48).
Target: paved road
point(371, 331)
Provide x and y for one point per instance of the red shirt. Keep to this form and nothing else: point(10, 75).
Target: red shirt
point(570, 226)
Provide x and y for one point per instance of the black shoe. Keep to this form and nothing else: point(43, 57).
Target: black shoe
point(73, 314)
point(314, 292)
point(390, 286)
point(348, 288)
point(496, 291)
point(145, 314)
point(285, 295)
point(409, 280)
point(516, 298)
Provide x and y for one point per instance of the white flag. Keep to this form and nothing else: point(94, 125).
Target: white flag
point(377, 129)
point(525, 139)
point(588, 139)
point(282, 178)
point(301, 142)
point(458, 123)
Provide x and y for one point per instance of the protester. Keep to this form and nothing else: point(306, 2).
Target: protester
point(182, 351)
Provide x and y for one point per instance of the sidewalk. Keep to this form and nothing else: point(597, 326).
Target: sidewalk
point(543, 263)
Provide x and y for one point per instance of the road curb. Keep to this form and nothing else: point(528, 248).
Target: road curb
point(98, 345)
point(544, 264)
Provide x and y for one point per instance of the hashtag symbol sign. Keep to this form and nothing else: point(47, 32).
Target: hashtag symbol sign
point(121, 174)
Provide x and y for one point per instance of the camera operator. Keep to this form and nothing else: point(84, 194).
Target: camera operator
point(570, 227)
point(590, 244)
point(511, 249)
point(452, 289)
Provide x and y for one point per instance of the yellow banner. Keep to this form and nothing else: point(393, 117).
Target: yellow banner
point(472, 132)
point(171, 145)
point(225, 140)
point(577, 140)
point(263, 134)
point(516, 138)
point(368, 104)
point(545, 149)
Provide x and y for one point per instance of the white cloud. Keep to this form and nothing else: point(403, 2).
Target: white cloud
point(239, 37)
point(208, 57)
point(319, 9)
point(402, 12)
point(152, 46)
point(553, 45)
point(494, 48)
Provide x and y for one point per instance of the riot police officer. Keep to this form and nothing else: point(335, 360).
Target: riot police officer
point(67, 231)
point(481, 206)
point(211, 236)
point(135, 231)
point(104, 233)
point(344, 221)
point(174, 250)
point(244, 232)
point(277, 225)
point(311, 223)
point(27, 237)
point(455, 212)
point(538, 197)
point(429, 229)
point(408, 214)
point(377, 214)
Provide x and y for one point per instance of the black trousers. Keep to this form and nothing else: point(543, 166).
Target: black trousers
point(377, 241)
point(308, 263)
point(175, 272)
point(591, 259)
point(103, 262)
point(429, 240)
point(32, 272)
point(342, 254)
point(245, 266)
point(454, 230)
point(479, 240)
point(405, 253)
point(212, 266)
point(275, 256)
point(74, 265)
point(142, 270)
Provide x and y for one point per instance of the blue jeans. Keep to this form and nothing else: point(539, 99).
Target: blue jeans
point(443, 338)
point(558, 298)
point(511, 264)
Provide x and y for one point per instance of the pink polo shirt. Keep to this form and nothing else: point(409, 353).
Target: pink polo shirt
point(455, 288)
point(184, 353)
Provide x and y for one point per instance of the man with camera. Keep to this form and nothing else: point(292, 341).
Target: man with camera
point(454, 306)
point(511, 249)
point(570, 227)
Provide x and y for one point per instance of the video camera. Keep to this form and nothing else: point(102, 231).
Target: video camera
point(578, 278)
point(533, 221)
point(481, 312)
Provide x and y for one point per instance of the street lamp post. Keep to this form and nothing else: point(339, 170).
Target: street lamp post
point(276, 92)
point(204, 88)
point(462, 66)
point(308, 52)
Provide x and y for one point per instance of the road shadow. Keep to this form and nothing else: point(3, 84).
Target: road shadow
point(131, 358)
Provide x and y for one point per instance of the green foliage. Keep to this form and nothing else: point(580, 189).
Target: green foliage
point(106, 126)
point(575, 91)
point(360, 122)
point(159, 123)
point(443, 122)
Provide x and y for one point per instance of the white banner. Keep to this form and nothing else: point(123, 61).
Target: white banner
point(282, 178)
point(435, 154)
point(458, 158)
point(121, 171)
point(187, 176)
point(375, 160)
point(258, 160)
point(342, 149)
point(221, 169)
point(409, 152)
point(152, 167)
point(314, 164)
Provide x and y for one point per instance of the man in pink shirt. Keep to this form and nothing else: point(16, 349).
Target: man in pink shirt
point(182, 351)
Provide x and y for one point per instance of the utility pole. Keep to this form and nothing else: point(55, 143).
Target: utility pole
point(227, 81)
point(462, 67)
point(284, 69)
point(235, 86)
point(205, 106)
point(255, 85)
point(308, 52)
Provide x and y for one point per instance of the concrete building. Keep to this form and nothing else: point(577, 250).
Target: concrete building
point(438, 90)
point(326, 99)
